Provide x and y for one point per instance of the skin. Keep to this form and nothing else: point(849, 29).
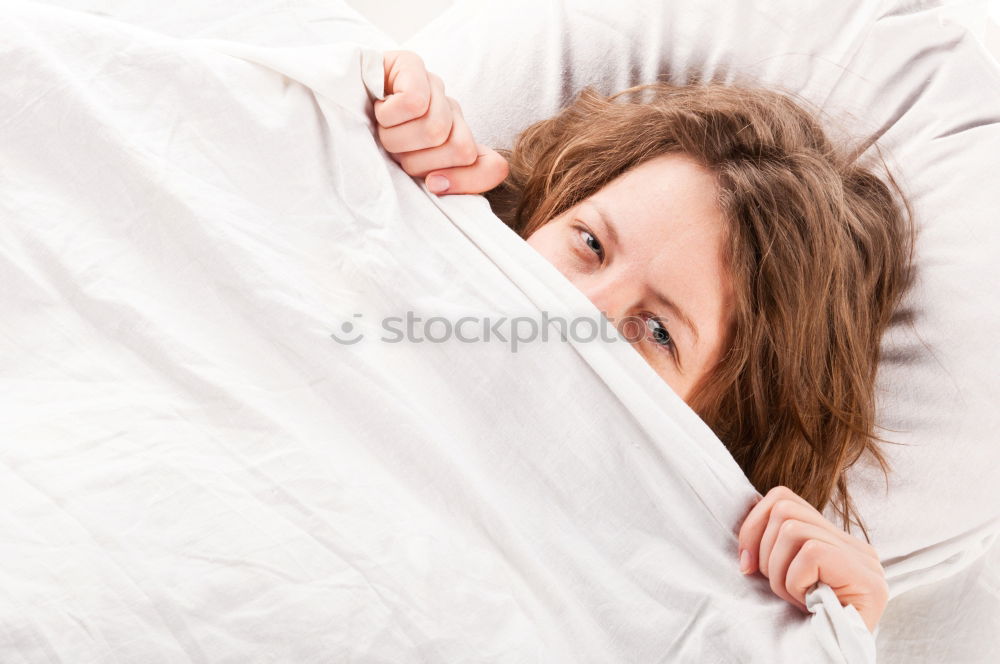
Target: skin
point(669, 242)
point(660, 237)
point(425, 133)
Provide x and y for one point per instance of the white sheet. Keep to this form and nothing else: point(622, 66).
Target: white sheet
point(897, 70)
point(193, 470)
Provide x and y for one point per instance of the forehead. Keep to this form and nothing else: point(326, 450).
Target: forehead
point(666, 195)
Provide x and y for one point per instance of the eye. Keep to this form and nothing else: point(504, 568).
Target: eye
point(592, 243)
point(658, 333)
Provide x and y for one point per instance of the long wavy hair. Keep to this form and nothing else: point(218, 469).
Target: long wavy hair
point(818, 246)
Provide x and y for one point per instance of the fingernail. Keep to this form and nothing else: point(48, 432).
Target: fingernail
point(438, 184)
point(745, 561)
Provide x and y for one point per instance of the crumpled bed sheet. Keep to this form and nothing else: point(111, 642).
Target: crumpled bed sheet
point(194, 469)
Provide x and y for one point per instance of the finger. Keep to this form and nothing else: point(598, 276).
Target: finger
point(792, 510)
point(431, 130)
point(791, 536)
point(752, 529)
point(407, 89)
point(853, 584)
point(412, 143)
point(755, 524)
point(489, 170)
point(459, 150)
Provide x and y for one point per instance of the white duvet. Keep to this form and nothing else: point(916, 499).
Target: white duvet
point(192, 469)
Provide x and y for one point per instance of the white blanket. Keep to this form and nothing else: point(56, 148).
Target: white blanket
point(193, 469)
point(892, 70)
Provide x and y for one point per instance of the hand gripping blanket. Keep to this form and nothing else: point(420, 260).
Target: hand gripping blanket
point(266, 399)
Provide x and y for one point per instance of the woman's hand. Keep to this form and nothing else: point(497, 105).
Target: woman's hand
point(791, 544)
point(426, 134)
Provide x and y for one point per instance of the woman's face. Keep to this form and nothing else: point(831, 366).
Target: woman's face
point(650, 244)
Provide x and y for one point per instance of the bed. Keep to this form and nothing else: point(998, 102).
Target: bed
point(201, 464)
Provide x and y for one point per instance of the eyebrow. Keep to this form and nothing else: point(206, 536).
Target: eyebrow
point(606, 218)
point(667, 303)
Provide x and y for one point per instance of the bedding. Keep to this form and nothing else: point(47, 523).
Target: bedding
point(213, 453)
point(898, 71)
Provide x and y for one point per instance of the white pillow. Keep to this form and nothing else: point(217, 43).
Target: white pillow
point(894, 71)
point(510, 64)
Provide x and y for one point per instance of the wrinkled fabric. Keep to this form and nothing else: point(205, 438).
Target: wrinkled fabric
point(897, 71)
point(211, 449)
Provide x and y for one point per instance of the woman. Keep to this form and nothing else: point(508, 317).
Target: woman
point(765, 262)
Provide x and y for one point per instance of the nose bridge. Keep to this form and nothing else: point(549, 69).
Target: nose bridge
point(611, 292)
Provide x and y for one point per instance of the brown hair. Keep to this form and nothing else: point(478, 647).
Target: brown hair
point(818, 247)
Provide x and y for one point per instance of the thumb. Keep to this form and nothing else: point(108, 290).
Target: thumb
point(489, 170)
